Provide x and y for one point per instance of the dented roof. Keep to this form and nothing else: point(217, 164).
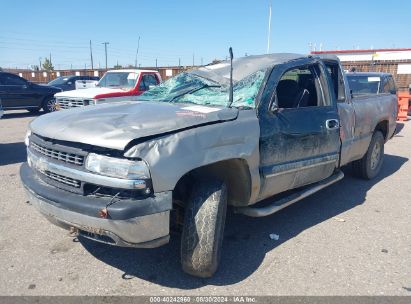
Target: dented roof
point(243, 67)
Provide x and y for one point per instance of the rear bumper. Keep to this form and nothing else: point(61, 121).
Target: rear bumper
point(139, 223)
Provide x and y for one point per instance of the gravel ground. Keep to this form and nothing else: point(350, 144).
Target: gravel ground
point(352, 238)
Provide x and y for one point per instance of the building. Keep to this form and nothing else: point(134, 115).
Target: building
point(394, 61)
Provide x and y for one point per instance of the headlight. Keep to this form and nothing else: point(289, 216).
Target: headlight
point(90, 102)
point(27, 139)
point(115, 167)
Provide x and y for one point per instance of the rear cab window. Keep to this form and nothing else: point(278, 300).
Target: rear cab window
point(364, 84)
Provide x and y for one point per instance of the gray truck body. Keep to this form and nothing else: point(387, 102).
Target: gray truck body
point(259, 152)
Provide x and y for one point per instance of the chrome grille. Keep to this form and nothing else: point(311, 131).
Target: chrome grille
point(67, 103)
point(70, 158)
point(62, 179)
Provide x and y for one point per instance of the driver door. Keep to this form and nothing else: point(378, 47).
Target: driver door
point(299, 141)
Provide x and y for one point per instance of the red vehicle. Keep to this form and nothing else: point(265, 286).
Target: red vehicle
point(115, 85)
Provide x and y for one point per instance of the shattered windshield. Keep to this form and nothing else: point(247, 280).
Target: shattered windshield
point(122, 80)
point(190, 88)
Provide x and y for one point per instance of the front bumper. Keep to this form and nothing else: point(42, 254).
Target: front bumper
point(139, 223)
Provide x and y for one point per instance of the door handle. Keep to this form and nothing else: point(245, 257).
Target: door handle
point(332, 124)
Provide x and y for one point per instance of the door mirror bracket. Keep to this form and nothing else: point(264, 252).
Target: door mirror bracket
point(274, 107)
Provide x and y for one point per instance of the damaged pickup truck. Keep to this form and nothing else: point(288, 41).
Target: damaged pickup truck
point(220, 135)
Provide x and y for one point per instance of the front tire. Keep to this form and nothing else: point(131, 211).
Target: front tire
point(49, 105)
point(203, 229)
point(370, 165)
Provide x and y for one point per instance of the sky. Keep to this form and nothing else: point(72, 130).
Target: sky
point(176, 31)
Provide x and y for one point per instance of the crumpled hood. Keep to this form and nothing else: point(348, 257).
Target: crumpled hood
point(115, 125)
point(89, 93)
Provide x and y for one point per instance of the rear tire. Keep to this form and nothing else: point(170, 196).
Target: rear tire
point(203, 230)
point(49, 105)
point(370, 165)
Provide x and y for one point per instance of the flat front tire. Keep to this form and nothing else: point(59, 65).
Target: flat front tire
point(370, 165)
point(203, 229)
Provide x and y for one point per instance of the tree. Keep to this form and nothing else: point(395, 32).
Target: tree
point(47, 65)
point(118, 66)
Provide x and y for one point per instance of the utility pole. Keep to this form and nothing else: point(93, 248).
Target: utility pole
point(156, 62)
point(105, 49)
point(138, 46)
point(201, 60)
point(193, 59)
point(179, 62)
point(91, 57)
point(269, 30)
point(40, 64)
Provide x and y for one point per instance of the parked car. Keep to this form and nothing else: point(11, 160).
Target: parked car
point(68, 83)
point(18, 93)
point(115, 85)
point(85, 84)
point(122, 173)
point(363, 83)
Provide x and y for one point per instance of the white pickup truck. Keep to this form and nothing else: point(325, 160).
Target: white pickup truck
point(115, 85)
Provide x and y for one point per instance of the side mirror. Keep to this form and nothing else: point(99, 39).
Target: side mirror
point(274, 106)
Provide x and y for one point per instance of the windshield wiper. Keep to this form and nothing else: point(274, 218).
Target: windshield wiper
point(190, 91)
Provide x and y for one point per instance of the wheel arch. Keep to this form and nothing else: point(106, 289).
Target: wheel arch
point(234, 172)
point(382, 126)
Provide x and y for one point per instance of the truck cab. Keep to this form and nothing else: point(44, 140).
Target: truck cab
point(114, 86)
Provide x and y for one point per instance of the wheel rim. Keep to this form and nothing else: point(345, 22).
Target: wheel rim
point(51, 105)
point(375, 156)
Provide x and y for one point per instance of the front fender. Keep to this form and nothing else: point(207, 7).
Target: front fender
point(172, 156)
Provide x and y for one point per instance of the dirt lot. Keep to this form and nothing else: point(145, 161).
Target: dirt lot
point(350, 239)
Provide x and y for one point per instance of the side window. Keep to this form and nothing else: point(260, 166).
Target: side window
point(146, 81)
point(385, 87)
point(391, 85)
point(9, 79)
point(151, 80)
point(301, 87)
